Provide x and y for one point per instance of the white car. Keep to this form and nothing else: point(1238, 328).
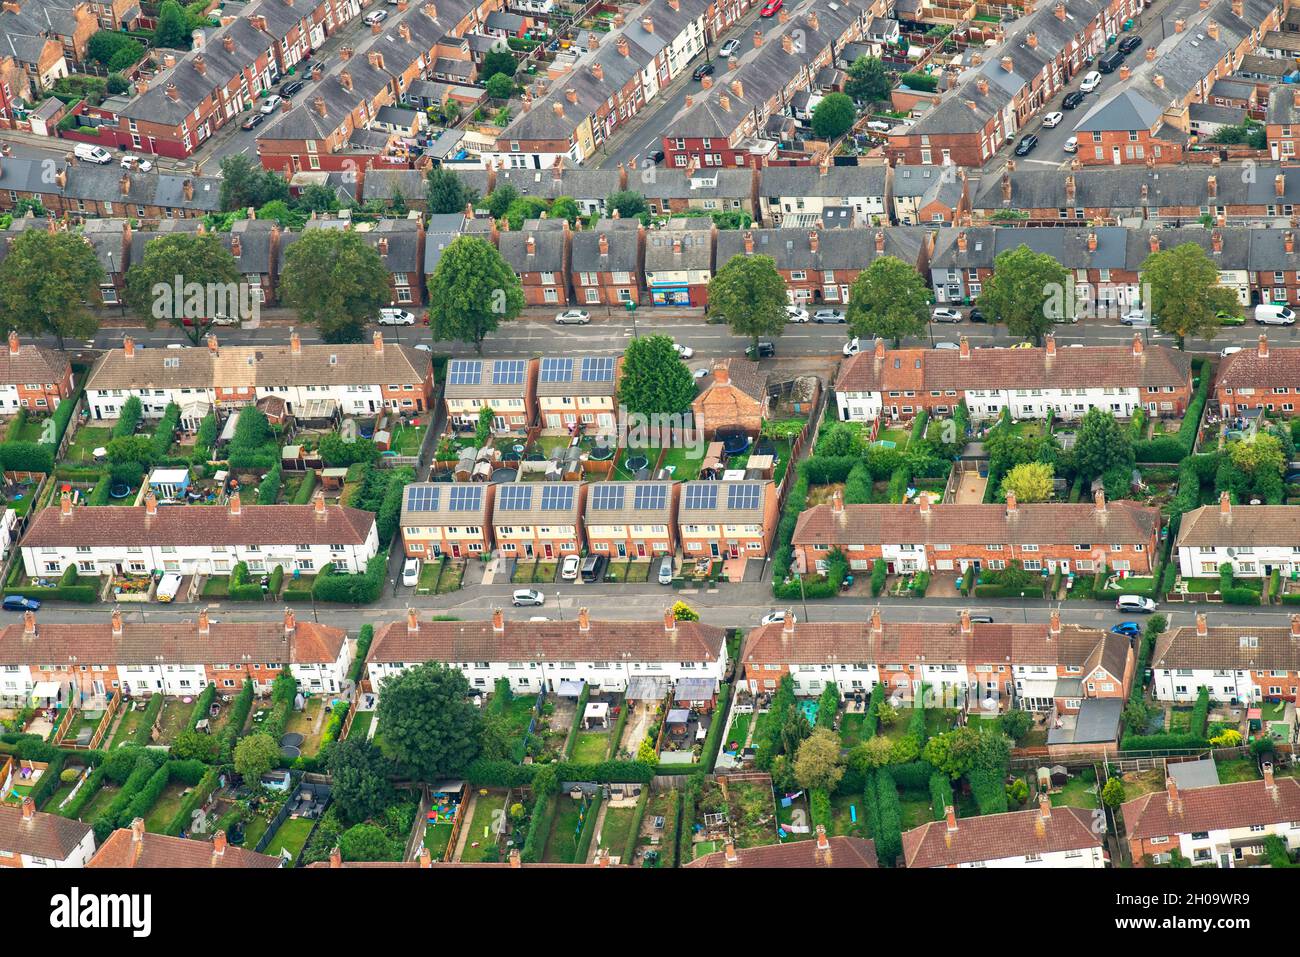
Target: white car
point(945, 314)
point(130, 162)
point(685, 352)
point(1071, 145)
point(1052, 120)
point(1229, 350)
point(527, 597)
point(272, 103)
point(948, 345)
point(423, 347)
point(378, 16)
point(220, 319)
point(829, 315)
point(576, 316)
point(795, 314)
point(1135, 317)
point(1090, 82)
point(569, 569)
point(773, 618)
point(396, 317)
point(852, 347)
point(411, 573)
point(729, 48)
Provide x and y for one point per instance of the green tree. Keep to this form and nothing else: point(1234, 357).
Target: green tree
point(833, 116)
point(817, 760)
point(868, 79)
point(1185, 295)
point(499, 200)
point(890, 300)
point(117, 83)
point(184, 258)
point(750, 295)
point(130, 448)
point(684, 612)
point(368, 842)
point(875, 752)
point(1258, 455)
point(317, 198)
point(953, 752)
point(173, 28)
point(45, 282)
point(255, 755)
point(565, 207)
point(1026, 291)
point(195, 745)
point(445, 191)
point(244, 184)
point(499, 86)
point(114, 51)
point(1101, 445)
point(431, 728)
point(627, 202)
point(497, 62)
point(472, 292)
point(335, 281)
point(1112, 793)
point(655, 378)
point(360, 776)
point(1015, 724)
point(483, 429)
point(1030, 482)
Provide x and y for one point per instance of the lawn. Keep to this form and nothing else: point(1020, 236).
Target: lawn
point(127, 725)
point(436, 838)
point(292, 835)
point(851, 729)
point(900, 437)
point(685, 463)
point(561, 845)
point(429, 572)
point(739, 730)
point(218, 586)
point(305, 722)
point(1237, 770)
point(1080, 791)
point(407, 439)
point(83, 444)
point(1138, 783)
point(98, 804)
point(361, 725)
point(589, 747)
point(58, 797)
point(451, 577)
point(1273, 710)
point(165, 808)
point(842, 822)
point(616, 829)
point(174, 719)
point(489, 811)
point(621, 473)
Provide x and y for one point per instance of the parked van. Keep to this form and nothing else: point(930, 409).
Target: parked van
point(91, 153)
point(411, 572)
point(1110, 62)
point(1270, 315)
point(666, 570)
point(168, 587)
point(593, 568)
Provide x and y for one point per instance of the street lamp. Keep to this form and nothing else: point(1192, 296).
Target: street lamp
point(803, 597)
point(558, 607)
point(1024, 607)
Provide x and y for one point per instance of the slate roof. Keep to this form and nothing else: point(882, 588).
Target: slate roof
point(742, 376)
point(255, 244)
point(696, 247)
point(1283, 105)
point(845, 248)
point(840, 852)
point(403, 240)
point(47, 836)
point(442, 230)
point(380, 184)
point(828, 181)
point(1121, 188)
point(548, 236)
point(622, 238)
point(1223, 806)
point(709, 183)
point(1221, 649)
point(994, 836)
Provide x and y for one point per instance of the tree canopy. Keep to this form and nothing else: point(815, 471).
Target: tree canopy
point(360, 776)
point(472, 292)
point(868, 79)
point(833, 116)
point(45, 283)
point(750, 295)
point(336, 282)
point(1185, 295)
point(654, 378)
point(1101, 444)
point(184, 258)
point(244, 184)
point(431, 728)
point(1030, 482)
point(1020, 289)
point(446, 192)
point(890, 300)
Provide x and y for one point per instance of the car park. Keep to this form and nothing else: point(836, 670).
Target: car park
point(569, 568)
point(527, 597)
point(945, 314)
point(1090, 82)
point(578, 317)
point(1052, 120)
point(1026, 145)
point(396, 317)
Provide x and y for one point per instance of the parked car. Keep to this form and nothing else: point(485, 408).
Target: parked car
point(19, 603)
point(829, 315)
point(593, 568)
point(1135, 317)
point(852, 347)
point(1072, 99)
point(1230, 319)
point(771, 7)
point(377, 16)
point(396, 317)
point(576, 316)
point(411, 572)
point(666, 570)
point(1229, 351)
point(773, 618)
point(569, 568)
point(766, 349)
point(945, 314)
point(976, 316)
point(1026, 145)
point(168, 586)
point(656, 156)
point(685, 352)
point(1271, 315)
point(290, 88)
point(140, 165)
point(1135, 603)
point(947, 345)
point(527, 597)
point(1071, 145)
point(271, 104)
point(981, 619)
point(1130, 43)
point(796, 314)
point(1090, 82)
point(91, 153)
point(253, 121)
point(1129, 629)
point(1053, 120)
point(701, 71)
point(1110, 62)
point(729, 48)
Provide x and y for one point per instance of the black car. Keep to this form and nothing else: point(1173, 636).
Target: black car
point(1026, 145)
point(1130, 43)
point(656, 156)
point(1073, 99)
point(766, 349)
point(976, 316)
point(253, 121)
point(701, 71)
point(290, 88)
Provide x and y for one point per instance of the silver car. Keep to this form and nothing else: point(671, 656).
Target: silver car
point(576, 316)
point(527, 597)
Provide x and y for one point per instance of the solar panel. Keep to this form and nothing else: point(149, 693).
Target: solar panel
point(743, 496)
point(465, 371)
point(598, 369)
point(515, 497)
point(508, 372)
point(650, 496)
point(422, 498)
point(606, 496)
point(556, 497)
point(557, 370)
point(702, 495)
point(466, 498)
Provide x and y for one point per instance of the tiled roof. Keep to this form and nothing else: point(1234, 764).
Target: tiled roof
point(995, 836)
point(840, 852)
point(32, 364)
point(127, 848)
point(1091, 367)
point(824, 181)
point(847, 248)
point(174, 642)
point(264, 525)
point(1248, 369)
point(615, 641)
point(1262, 525)
point(1244, 804)
point(1046, 523)
point(42, 835)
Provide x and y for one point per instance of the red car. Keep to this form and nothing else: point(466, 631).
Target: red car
point(770, 8)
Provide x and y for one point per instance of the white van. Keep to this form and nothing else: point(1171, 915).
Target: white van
point(168, 586)
point(1269, 315)
point(411, 572)
point(91, 153)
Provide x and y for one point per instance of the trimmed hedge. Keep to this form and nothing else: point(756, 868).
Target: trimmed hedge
point(240, 588)
point(539, 825)
point(352, 589)
point(68, 588)
point(686, 830)
point(941, 795)
point(1162, 742)
point(713, 740)
point(238, 715)
point(506, 774)
point(143, 734)
point(1174, 449)
point(364, 638)
point(303, 495)
point(201, 705)
point(202, 791)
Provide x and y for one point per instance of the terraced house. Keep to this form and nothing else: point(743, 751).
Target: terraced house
point(1265, 377)
point(578, 394)
point(506, 386)
point(1235, 662)
point(1042, 837)
point(538, 520)
point(79, 664)
point(32, 377)
point(898, 383)
point(86, 189)
point(442, 518)
point(728, 519)
point(1072, 537)
point(962, 663)
point(798, 195)
point(538, 655)
point(32, 838)
point(313, 380)
point(539, 255)
point(1255, 540)
point(631, 519)
point(605, 263)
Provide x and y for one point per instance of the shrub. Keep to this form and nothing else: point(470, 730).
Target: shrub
point(268, 492)
point(879, 572)
point(128, 418)
point(144, 733)
point(941, 796)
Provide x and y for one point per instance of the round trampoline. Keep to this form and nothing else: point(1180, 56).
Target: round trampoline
point(601, 453)
point(636, 463)
point(735, 444)
point(291, 740)
point(503, 475)
point(290, 752)
point(119, 490)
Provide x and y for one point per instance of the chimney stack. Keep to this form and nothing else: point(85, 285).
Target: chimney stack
point(1044, 807)
point(1171, 787)
point(1262, 348)
point(670, 622)
point(837, 503)
point(1011, 501)
point(1295, 627)
point(1138, 346)
point(1054, 624)
point(1267, 767)
point(967, 626)
point(498, 621)
point(1225, 505)
point(1049, 344)
point(295, 343)
point(879, 349)
point(1202, 627)
point(117, 623)
point(950, 813)
point(150, 503)
point(788, 623)
point(963, 348)
point(377, 341)
point(318, 503)
point(236, 507)
point(1099, 500)
point(923, 504)
point(880, 243)
point(212, 344)
point(824, 842)
point(65, 504)
point(203, 622)
point(584, 620)
point(29, 624)
point(29, 806)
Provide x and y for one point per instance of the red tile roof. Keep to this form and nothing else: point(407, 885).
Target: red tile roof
point(995, 836)
point(1243, 804)
point(841, 852)
point(1248, 369)
point(135, 847)
point(42, 835)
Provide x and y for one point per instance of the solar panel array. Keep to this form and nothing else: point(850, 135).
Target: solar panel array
point(606, 496)
point(557, 497)
point(557, 370)
point(465, 372)
point(743, 496)
point(422, 498)
point(466, 498)
point(650, 496)
point(701, 495)
point(515, 497)
point(598, 369)
point(508, 372)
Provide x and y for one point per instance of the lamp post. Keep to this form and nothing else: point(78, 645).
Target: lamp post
point(558, 607)
point(803, 597)
point(1024, 607)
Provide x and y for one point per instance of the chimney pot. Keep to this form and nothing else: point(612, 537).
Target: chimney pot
point(1262, 348)
point(498, 621)
point(318, 503)
point(584, 620)
point(1202, 627)
point(235, 506)
point(950, 813)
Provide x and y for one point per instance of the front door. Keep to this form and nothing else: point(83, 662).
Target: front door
point(622, 550)
point(640, 549)
point(547, 550)
point(528, 549)
point(455, 550)
point(713, 549)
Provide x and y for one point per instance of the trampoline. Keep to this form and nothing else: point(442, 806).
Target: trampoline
point(735, 444)
point(291, 740)
point(119, 490)
point(503, 475)
point(636, 463)
point(601, 453)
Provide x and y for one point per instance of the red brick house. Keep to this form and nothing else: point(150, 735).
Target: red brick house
point(1265, 377)
point(33, 377)
point(538, 520)
point(134, 847)
point(727, 519)
point(605, 263)
point(539, 255)
point(631, 519)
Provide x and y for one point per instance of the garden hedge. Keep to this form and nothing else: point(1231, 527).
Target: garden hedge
point(364, 638)
point(201, 705)
point(201, 792)
point(144, 734)
point(888, 830)
point(539, 824)
point(588, 829)
point(713, 740)
point(941, 795)
point(686, 827)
